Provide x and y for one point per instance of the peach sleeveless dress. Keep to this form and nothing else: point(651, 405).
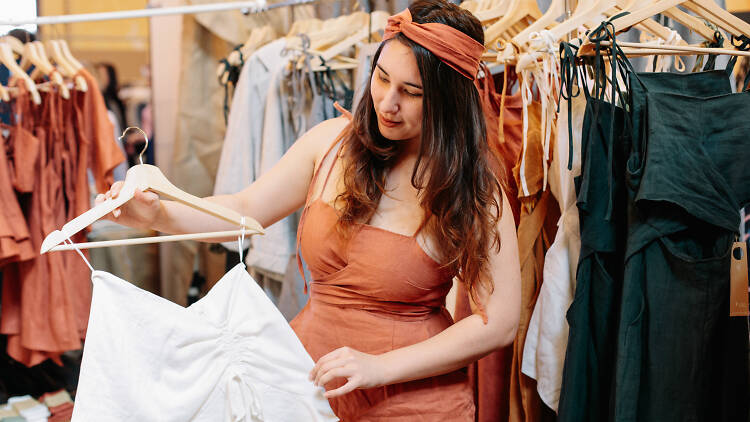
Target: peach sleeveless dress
point(375, 292)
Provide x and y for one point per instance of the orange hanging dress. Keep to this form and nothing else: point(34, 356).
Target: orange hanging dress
point(375, 292)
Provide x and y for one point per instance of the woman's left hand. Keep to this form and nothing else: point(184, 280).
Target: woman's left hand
point(361, 370)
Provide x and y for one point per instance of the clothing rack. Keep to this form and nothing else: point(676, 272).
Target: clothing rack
point(257, 6)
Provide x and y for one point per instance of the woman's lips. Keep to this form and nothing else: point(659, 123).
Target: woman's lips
point(388, 123)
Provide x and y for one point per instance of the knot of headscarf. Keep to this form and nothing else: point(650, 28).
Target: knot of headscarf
point(451, 46)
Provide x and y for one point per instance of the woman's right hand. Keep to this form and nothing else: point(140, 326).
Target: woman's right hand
point(139, 212)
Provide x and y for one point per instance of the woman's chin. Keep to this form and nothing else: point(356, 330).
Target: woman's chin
point(391, 134)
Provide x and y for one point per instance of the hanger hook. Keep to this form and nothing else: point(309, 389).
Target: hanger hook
point(125, 132)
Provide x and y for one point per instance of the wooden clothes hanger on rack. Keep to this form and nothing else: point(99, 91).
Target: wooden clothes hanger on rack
point(521, 14)
point(145, 177)
point(80, 81)
point(377, 22)
point(33, 54)
point(706, 9)
point(6, 58)
point(4, 94)
point(703, 8)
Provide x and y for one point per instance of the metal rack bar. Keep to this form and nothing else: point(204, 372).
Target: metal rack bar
point(257, 6)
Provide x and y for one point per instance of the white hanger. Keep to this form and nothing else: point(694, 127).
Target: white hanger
point(145, 177)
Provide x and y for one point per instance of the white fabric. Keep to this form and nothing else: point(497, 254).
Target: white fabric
point(547, 337)
point(231, 356)
point(240, 160)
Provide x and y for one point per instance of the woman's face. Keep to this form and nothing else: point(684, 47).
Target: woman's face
point(396, 89)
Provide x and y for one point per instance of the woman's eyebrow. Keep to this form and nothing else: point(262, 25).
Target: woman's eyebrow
point(412, 84)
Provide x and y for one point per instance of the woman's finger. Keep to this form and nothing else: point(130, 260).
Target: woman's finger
point(328, 366)
point(338, 372)
point(350, 386)
point(326, 358)
point(115, 189)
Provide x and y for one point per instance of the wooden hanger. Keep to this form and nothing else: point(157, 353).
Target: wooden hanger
point(15, 44)
point(6, 57)
point(328, 32)
point(4, 94)
point(339, 29)
point(470, 5)
point(633, 49)
point(649, 26)
point(583, 14)
point(556, 9)
point(689, 21)
point(258, 38)
point(80, 81)
point(63, 65)
point(38, 58)
point(377, 22)
point(145, 177)
point(522, 13)
point(703, 8)
point(490, 12)
point(303, 26)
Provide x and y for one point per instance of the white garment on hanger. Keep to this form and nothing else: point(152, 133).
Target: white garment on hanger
point(231, 356)
point(547, 336)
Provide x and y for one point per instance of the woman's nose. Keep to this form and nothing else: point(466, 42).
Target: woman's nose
point(390, 104)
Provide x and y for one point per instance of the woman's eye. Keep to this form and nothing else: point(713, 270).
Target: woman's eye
point(413, 94)
point(383, 78)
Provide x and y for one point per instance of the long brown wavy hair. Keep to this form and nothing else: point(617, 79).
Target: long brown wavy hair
point(458, 191)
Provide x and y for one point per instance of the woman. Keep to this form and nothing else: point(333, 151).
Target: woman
point(398, 201)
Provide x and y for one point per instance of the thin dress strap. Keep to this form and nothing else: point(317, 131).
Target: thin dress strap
point(339, 139)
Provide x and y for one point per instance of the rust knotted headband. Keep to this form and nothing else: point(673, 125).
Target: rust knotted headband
point(451, 46)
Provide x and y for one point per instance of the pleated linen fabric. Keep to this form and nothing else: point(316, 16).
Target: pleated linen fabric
point(231, 356)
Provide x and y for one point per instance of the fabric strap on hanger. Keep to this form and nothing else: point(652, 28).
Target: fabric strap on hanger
point(81, 254)
point(241, 240)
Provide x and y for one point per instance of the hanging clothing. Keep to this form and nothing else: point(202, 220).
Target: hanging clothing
point(547, 336)
point(15, 241)
point(230, 356)
point(490, 375)
point(678, 256)
point(503, 117)
point(50, 149)
point(39, 319)
point(592, 316)
point(241, 151)
point(105, 154)
point(536, 231)
point(365, 297)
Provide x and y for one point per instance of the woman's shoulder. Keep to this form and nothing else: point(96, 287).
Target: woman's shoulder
point(322, 136)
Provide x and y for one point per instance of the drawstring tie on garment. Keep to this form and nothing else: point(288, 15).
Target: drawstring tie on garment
point(242, 400)
point(605, 32)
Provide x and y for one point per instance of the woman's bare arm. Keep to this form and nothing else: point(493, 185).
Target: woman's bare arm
point(275, 195)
